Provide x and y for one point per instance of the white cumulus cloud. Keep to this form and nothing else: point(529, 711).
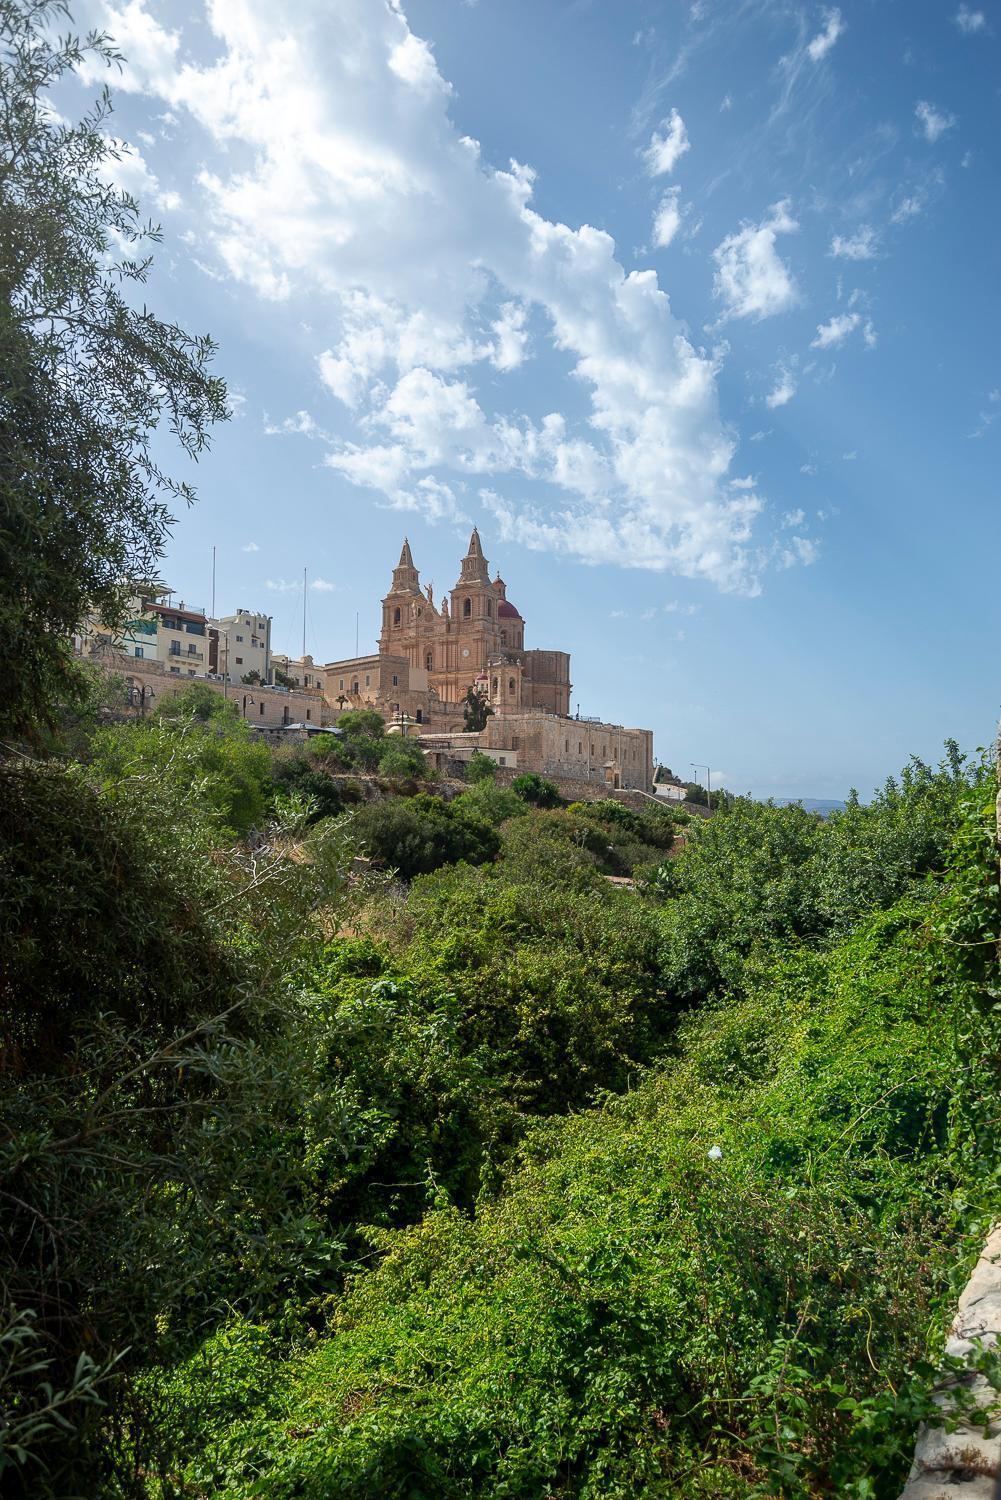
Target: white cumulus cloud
point(752, 280)
point(336, 181)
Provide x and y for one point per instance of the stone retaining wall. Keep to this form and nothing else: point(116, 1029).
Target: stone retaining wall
point(966, 1464)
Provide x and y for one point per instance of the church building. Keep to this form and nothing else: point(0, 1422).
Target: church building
point(432, 652)
point(475, 636)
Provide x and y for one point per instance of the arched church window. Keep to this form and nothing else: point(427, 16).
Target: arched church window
point(510, 686)
point(490, 606)
point(429, 661)
point(467, 608)
point(503, 637)
point(495, 687)
point(396, 617)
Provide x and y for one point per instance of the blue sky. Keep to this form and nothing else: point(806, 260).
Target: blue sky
point(692, 308)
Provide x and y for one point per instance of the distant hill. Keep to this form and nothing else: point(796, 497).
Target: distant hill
point(823, 805)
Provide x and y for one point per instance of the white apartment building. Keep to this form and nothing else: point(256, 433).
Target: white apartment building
point(240, 644)
point(156, 630)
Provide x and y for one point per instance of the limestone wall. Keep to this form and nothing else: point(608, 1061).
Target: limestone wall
point(260, 706)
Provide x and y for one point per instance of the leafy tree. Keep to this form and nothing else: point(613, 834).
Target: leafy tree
point(531, 787)
point(361, 724)
point(294, 770)
point(283, 680)
point(480, 767)
point(402, 757)
point(489, 803)
point(476, 710)
point(160, 1066)
point(252, 678)
point(86, 372)
point(363, 731)
point(417, 834)
point(201, 703)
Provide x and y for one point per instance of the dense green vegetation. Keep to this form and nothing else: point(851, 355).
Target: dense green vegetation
point(496, 1178)
point(363, 1136)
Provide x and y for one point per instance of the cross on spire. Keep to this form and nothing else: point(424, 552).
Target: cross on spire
point(406, 579)
point(474, 564)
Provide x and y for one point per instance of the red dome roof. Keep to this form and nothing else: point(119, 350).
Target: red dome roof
point(507, 611)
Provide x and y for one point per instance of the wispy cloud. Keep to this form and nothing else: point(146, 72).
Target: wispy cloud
point(294, 585)
point(302, 424)
point(970, 21)
point(781, 394)
point(989, 415)
point(933, 122)
point(665, 151)
point(825, 39)
point(250, 547)
point(862, 245)
point(667, 219)
point(832, 335)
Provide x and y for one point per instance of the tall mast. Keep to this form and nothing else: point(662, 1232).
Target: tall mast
point(304, 613)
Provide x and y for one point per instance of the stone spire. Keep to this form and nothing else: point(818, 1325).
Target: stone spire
point(474, 564)
point(406, 579)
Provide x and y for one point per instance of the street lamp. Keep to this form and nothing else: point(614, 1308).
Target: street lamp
point(709, 783)
point(138, 694)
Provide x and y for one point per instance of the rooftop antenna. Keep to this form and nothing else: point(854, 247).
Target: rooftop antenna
point(213, 583)
point(304, 613)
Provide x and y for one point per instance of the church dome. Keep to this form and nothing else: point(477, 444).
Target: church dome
point(507, 611)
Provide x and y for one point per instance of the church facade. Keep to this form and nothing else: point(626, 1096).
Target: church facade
point(475, 637)
point(432, 652)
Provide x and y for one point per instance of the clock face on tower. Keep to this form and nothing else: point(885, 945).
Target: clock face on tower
point(465, 650)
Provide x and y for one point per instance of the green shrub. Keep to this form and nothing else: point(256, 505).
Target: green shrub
point(561, 987)
point(489, 803)
point(403, 758)
point(481, 767)
point(531, 787)
point(295, 770)
point(204, 753)
point(418, 834)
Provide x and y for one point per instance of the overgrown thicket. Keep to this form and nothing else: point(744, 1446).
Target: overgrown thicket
point(361, 1139)
point(531, 1184)
point(730, 1279)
